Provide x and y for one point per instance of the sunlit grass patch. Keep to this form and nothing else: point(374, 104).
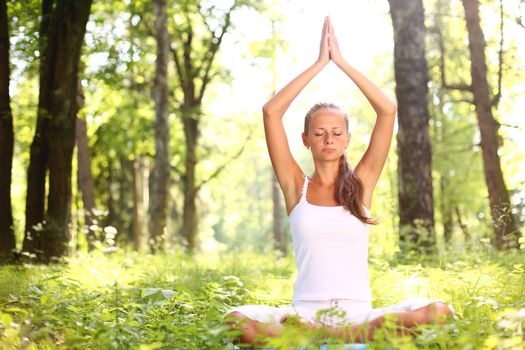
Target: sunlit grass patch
point(124, 300)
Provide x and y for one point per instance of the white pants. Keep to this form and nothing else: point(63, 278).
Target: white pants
point(331, 312)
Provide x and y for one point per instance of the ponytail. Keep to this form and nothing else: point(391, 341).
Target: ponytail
point(349, 192)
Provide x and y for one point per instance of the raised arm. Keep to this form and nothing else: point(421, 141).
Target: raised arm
point(286, 168)
point(371, 164)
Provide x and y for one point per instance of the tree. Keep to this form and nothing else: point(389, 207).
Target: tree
point(62, 29)
point(504, 227)
point(161, 169)
point(122, 141)
point(85, 179)
point(416, 207)
point(194, 56)
point(7, 234)
point(268, 49)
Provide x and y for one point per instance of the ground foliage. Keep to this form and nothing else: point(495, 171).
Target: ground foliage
point(125, 300)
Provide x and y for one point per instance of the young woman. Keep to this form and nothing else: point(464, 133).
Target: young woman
point(329, 215)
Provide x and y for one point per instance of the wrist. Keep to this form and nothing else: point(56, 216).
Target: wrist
point(340, 62)
point(319, 64)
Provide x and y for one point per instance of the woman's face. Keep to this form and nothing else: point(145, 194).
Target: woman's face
point(327, 135)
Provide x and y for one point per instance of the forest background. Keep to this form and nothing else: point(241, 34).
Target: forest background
point(163, 129)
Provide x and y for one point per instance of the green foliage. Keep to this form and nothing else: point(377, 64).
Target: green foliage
point(24, 25)
point(131, 301)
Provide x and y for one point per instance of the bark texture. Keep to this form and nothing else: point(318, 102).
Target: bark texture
point(161, 168)
point(506, 233)
point(416, 205)
point(138, 204)
point(7, 234)
point(194, 72)
point(85, 180)
point(62, 32)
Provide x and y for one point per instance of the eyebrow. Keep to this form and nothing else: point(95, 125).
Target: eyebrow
point(335, 127)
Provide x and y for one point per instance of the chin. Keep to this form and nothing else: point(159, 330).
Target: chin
point(329, 157)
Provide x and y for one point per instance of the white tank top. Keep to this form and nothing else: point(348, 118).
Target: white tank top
point(331, 252)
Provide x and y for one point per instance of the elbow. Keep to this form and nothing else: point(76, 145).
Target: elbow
point(266, 110)
point(391, 110)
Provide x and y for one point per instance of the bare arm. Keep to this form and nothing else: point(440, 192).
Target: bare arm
point(286, 168)
point(371, 164)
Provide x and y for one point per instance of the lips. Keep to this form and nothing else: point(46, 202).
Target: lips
point(328, 149)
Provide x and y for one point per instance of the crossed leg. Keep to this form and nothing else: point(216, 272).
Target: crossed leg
point(253, 332)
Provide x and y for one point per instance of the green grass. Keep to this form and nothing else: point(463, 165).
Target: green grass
point(126, 300)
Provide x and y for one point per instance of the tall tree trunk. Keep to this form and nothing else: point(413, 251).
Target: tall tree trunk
point(37, 170)
point(138, 204)
point(416, 207)
point(161, 170)
point(194, 72)
point(189, 214)
point(111, 181)
point(62, 37)
point(125, 201)
point(462, 225)
point(505, 230)
point(446, 209)
point(85, 180)
point(7, 233)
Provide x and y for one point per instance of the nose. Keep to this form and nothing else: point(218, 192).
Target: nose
point(328, 139)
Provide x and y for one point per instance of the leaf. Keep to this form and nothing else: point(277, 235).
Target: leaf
point(168, 293)
point(148, 292)
point(45, 299)
point(158, 293)
point(6, 319)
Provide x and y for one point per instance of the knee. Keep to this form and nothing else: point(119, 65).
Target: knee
point(442, 312)
point(436, 311)
point(240, 322)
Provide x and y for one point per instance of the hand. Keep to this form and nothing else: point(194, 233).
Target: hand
point(324, 52)
point(300, 322)
point(335, 53)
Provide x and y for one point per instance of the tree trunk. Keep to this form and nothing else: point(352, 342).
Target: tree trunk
point(462, 225)
point(416, 207)
point(138, 204)
point(37, 170)
point(278, 234)
point(85, 180)
point(446, 210)
point(7, 234)
point(125, 201)
point(189, 214)
point(507, 234)
point(112, 216)
point(161, 170)
point(194, 70)
point(62, 38)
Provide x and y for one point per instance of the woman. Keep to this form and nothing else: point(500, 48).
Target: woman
point(329, 216)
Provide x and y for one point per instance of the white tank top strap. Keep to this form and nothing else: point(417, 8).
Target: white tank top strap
point(305, 189)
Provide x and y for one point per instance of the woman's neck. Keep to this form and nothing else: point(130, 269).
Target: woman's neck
point(325, 174)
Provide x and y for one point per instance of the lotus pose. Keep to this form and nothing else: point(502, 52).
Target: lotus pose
point(329, 216)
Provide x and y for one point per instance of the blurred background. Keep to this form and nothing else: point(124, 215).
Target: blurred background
point(145, 132)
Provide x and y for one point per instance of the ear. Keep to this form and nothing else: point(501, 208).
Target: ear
point(349, 137)
point(303, 136)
